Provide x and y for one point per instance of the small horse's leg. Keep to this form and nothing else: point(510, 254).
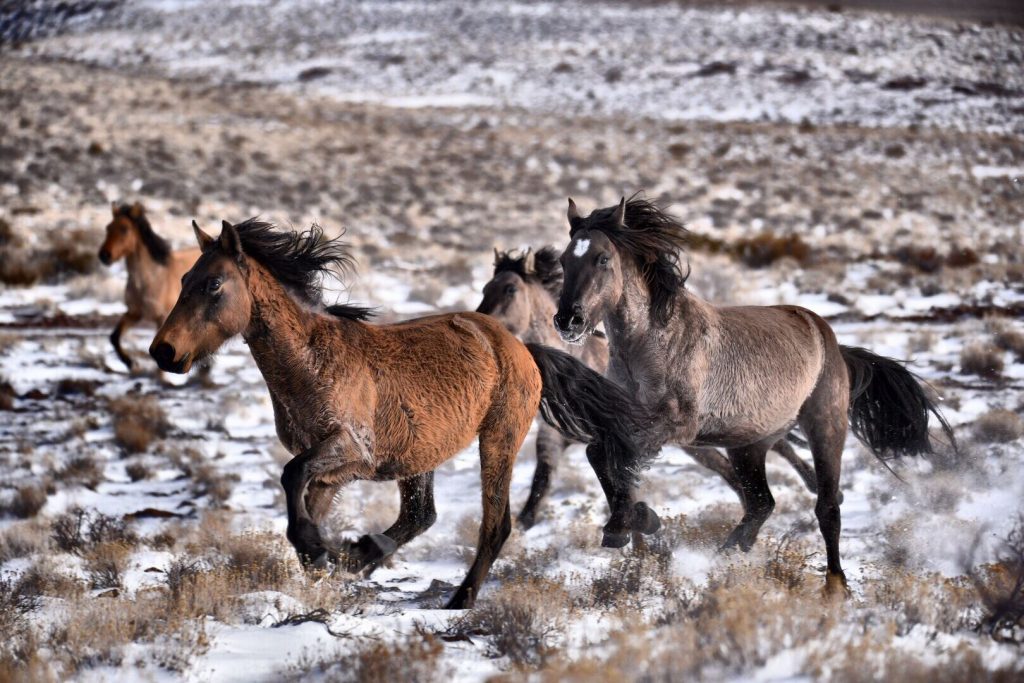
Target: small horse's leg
point(806, 472)
point(550, 445)
point(498, 446)
point(127, 320)
point(303, 532)
point(712, 459)
point(748, 462)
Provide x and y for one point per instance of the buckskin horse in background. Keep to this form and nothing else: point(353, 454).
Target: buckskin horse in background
point(154, 270)
point(523, 296)
point(738, 377)
point(353, 400)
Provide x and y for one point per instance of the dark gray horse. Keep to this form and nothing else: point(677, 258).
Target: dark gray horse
point(523, 296)
point(738, 377)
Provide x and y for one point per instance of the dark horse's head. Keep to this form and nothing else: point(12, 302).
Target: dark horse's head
point(635, 239)
point(128, 229)
point(507, 294)
point(216, 302)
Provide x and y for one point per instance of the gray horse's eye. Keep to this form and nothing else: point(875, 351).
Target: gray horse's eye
point(510, 290)
point(602, 260)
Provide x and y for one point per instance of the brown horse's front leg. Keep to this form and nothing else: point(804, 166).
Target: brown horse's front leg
point(127, 320)
point(303, 532)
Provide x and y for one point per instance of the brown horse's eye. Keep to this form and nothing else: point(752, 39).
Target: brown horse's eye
point(602, 260)
point(510, 290)
point(213, 285)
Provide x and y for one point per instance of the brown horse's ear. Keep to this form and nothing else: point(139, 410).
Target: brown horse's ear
point(113, 208)
point(573, 213)
point(619, 217)
point(497, 256)
point(230, 242)
point(136, 210)
point(204, 240)
point(529, 258)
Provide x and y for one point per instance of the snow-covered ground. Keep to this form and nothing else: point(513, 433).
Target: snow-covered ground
point(889, 145)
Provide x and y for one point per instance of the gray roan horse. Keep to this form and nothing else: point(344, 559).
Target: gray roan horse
point(523, 295)
point(736, 377)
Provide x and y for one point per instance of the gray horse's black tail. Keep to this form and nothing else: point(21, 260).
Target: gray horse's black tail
point(889, 408)
point(585, 406)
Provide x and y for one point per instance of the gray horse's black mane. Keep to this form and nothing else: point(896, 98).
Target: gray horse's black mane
point(547, 271)
point(300, 260)
point(655, 239)
point(159, 249)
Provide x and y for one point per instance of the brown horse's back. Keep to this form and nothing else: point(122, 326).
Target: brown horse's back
point(437, 378)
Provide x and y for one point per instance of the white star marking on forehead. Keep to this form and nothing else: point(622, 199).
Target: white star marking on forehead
point(581, 248)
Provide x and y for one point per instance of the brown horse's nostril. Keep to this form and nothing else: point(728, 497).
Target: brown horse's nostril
point(105, 257)
point(163, 353)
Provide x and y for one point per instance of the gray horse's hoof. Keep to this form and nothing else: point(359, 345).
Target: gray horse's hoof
point(645, 520)
point(615, 539)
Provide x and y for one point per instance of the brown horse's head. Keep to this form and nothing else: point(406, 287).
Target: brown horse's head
point(634, 239)
point(122, 237)
point(507, 295)
point(214, 304)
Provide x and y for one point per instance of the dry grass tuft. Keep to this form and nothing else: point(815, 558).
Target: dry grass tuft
point(521, 622)
point(998, 426)
point(26, 502)
point(79, 531)
point(138, 421)
point(983, 359)
point(83, 471)
point(1001, 588)
point(414, 659)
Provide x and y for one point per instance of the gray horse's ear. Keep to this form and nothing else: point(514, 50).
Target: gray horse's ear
point(529, 259)
point(573, 213)
point(204, 240)
point(230, 242)
point(619, 217)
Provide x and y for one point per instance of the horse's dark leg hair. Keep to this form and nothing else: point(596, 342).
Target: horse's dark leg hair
point(713, 459)
point(303, 532)
point(550, 446)
point(823, 419)
point(620, 499)
point(498, 446)
point(806, 472)
point(748, 462)
point(127, 320)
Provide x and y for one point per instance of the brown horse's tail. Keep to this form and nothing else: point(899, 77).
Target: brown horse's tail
point(889, 408)
point(585, 406)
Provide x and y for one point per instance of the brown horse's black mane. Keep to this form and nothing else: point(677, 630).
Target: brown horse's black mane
point(300, 261)
point(156, 245)
point(547, 271)
point(654, 239)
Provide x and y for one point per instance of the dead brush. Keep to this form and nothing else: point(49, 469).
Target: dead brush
point(1001, 588)
point(105, 565)
point(78, 531)
point(83, 470)
point(209, 481)
point(22, 539)
point(983, 359)
point(138, 422)
point(998, 426)
point(787, 563)
point(26, 502)
point(415, 658)
point(521, 622)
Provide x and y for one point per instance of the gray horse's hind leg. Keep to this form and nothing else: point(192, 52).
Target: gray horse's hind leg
point(748, 463)
point(712, 459)
point(806, 472)
point(550, 445)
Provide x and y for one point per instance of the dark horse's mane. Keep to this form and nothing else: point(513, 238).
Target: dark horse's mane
point(300, 261)
point(655, 240)
point(547, 271)
point(157, 246)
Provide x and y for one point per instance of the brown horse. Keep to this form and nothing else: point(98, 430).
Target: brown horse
point(378, 402)
point(154, 271)
point(523, 296)
point(736, 377)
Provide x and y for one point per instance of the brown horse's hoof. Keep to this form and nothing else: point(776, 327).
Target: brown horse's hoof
point(615, 539)
point(367, 553)
point(645, 520)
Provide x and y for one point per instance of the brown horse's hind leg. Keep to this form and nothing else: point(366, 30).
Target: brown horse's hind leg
point(416, 515)
point(127, 320)
point(499, 441)
point(748, 463)
point(550, 445)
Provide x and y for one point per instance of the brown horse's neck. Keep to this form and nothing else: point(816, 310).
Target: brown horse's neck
point(143, 269)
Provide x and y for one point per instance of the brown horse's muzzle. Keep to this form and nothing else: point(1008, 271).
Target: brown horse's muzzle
point(105, 256)
point(165, 355)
